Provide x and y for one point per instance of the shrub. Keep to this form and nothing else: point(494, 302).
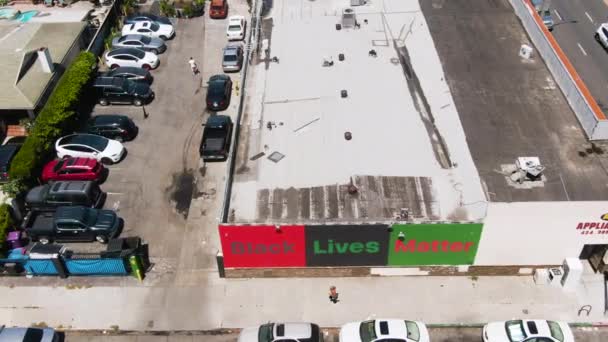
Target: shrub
point(54, 120)
point(167, 9)
point(6, 224)
point(188, 11)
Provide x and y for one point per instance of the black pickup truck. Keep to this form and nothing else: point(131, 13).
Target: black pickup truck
point(215, 144)
point(75, 223)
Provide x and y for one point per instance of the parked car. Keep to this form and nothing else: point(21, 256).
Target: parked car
point(544, 13)
point(7, 153)
point(601, 35)
point(93, 146)
point(131, 57)
point(16, 140)
point(219, 92)
point(146, 43)
point(75, 223)
point(232, 59)
point(291, 332)
point(65, 193)
point(28, 334)
point(131, 19)
point(150, 29)
point(217, 135)
point(73, 168)
point(218, 9)
point(113, 126)
point(112, 90)
point(236, 27)
point(384, 330)
point(130, 73)
point(527, 331)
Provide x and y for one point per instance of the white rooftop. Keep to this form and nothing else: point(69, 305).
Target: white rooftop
point(392, 134)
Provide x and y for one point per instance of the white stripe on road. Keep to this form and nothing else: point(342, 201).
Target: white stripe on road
point(582, 50)
point(557, 14)
point(114, 193)
point(588, 16)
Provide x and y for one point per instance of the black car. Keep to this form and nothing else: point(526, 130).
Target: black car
point(7, 153)
point(16, 140)
point(117, 127)
point(112, 90)
point(132, 19)
point(130, 73)
point(219, 92)
point(217, 134)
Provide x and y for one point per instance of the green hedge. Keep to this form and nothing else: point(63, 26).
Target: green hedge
point(55, 118)
point(6, 222)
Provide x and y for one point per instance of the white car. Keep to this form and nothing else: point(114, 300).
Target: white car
point(282, 332)
point(90, 146)
point(527, 331)
point(601, 35)
point(394, 330)
point(150, 29)
point(131, 57)
point(236, 27)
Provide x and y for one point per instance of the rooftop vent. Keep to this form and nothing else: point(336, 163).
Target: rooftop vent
point(348, 18)
point(525, 170)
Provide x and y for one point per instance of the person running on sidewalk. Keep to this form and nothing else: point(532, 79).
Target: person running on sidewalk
point(193, 66)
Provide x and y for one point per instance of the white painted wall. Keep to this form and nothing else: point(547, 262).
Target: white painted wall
point(538, 233)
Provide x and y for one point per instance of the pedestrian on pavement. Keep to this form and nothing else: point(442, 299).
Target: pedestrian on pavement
point(333, 294)
point(193, 66)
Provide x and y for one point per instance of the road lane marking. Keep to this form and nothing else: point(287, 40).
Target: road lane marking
point(582, 50)
point(589, 17)
point(557, 14)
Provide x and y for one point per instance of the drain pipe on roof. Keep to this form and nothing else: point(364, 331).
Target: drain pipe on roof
point(252, 45)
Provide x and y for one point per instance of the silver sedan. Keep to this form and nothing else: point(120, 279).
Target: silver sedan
point(154, 45)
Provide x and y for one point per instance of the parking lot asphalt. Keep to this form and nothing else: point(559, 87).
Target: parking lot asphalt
point(452, 334)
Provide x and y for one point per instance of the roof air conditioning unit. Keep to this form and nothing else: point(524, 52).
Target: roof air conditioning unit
point(348, 17)
point(555, 275)
point(357, 2)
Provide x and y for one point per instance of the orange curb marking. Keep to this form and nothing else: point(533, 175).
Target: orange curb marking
point(562, 56)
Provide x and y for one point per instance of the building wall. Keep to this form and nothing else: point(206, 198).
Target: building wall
point(540, 233)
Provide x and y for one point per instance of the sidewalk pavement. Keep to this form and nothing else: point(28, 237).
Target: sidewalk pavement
point(214, 303)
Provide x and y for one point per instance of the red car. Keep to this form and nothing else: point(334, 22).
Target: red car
point(72, 169)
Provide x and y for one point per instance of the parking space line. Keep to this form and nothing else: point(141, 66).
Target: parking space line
point(589, 17)
point(582, 50)
point(114, 193)
point(557, 14)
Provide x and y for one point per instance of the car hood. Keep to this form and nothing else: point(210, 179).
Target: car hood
point(350, 332)
point(37, 194)
point(496, 332)
point(113, 148)
point(249, 335)
point(106, 219)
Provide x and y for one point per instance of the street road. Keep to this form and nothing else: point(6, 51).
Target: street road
point(575, 25)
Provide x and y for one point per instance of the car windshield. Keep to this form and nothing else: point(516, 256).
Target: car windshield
point(515, 331)
point(556, 331)
point(413, 332)
point(605, 31)
point(229, 58)
point(234, 28)
point(154, 27)
point(146, 39)
point(216, 88)
point(265, 333)
point(367, 330)
point(90, 216)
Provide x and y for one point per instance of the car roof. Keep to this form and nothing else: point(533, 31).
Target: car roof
point(77, 163)
point(108, 119)
point(127, 70)
point(26, 334)
point(80, 139)
point(143, 23)
point(126, 50)
point(232, 48)
point(109, 81)
point(71, 212)
point(7, 152)
point(132, 37)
